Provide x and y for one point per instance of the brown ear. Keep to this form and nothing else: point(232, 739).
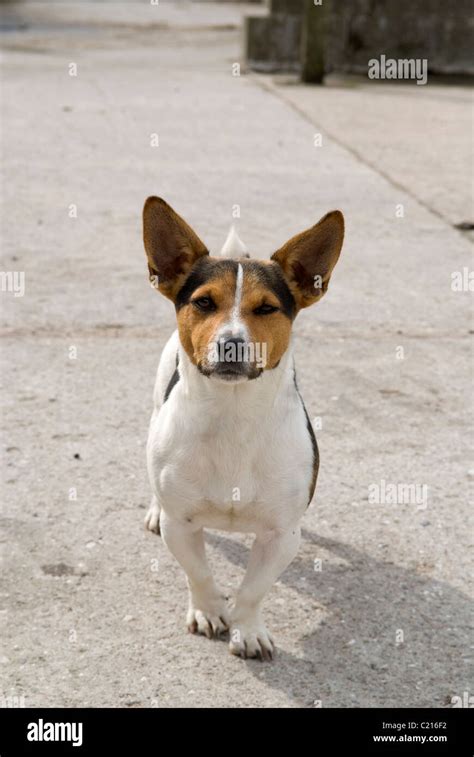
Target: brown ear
point(171, 246)
point(308, 258)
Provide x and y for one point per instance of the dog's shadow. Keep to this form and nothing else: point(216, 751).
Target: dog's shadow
point(383, 636)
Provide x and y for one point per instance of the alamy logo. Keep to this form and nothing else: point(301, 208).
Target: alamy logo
point(465, 701)
point(462, 281)
point(12, 700)
point(399, 68)
point(13, 281)
point(238, 352)
point(42, 731)
point(385, 493)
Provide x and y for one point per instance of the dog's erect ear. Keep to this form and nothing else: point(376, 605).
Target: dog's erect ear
point(171, 246)
point(308, 258)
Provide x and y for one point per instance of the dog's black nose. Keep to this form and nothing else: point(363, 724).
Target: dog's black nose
point(233, 350)
point(232, 355)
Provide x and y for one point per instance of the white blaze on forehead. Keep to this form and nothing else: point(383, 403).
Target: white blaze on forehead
point(234, 326)
point(235, 317)
point(233, 245)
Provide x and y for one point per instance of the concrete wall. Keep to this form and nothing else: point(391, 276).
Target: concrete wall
point(272, 42)
point(359, 30)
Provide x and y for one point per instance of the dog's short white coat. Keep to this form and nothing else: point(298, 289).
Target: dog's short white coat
point(235, 457)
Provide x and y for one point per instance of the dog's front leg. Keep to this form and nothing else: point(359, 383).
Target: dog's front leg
point(152, 518)
point(207, 613)
point(271, 553)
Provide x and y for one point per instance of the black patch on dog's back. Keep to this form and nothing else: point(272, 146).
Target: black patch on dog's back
point(314, 443)
point(173, 380)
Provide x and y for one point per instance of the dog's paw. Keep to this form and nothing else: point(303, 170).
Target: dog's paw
point(251, 640)
point(152, 518)
point(211, 622)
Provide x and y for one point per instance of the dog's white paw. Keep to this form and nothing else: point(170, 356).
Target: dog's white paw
point(152, 518)
point(210, 618)
point(251, 639)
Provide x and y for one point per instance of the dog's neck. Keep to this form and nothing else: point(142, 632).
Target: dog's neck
point(260, 393)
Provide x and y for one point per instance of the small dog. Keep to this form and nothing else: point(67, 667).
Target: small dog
point(230, 444)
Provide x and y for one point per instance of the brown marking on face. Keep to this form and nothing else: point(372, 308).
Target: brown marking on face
point(265, 335)
point(197, 329)
point(273, 329)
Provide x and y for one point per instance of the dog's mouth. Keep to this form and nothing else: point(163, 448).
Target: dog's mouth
point(230, 372)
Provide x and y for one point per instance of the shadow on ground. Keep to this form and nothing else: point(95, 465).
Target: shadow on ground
point(352, 657)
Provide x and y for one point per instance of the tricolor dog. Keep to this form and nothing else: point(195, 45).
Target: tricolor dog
point(230, 444)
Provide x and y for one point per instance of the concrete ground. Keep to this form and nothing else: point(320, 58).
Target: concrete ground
point(93, 607)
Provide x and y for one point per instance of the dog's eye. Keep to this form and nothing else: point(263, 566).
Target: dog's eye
point(265, 309)
point(206, 304)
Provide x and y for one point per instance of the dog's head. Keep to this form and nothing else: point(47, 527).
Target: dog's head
point(235, 315)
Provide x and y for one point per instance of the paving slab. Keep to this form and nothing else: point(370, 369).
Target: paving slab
point(93, 607)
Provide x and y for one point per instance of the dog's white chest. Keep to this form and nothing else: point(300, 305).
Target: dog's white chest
point(231, 459)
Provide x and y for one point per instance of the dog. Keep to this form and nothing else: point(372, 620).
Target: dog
point(230, 444)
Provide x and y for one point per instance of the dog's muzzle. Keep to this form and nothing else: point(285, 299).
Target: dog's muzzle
point(229, 361)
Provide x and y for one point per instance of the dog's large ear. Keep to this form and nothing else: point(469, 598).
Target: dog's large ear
point(308, 258)
point(171, 246)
